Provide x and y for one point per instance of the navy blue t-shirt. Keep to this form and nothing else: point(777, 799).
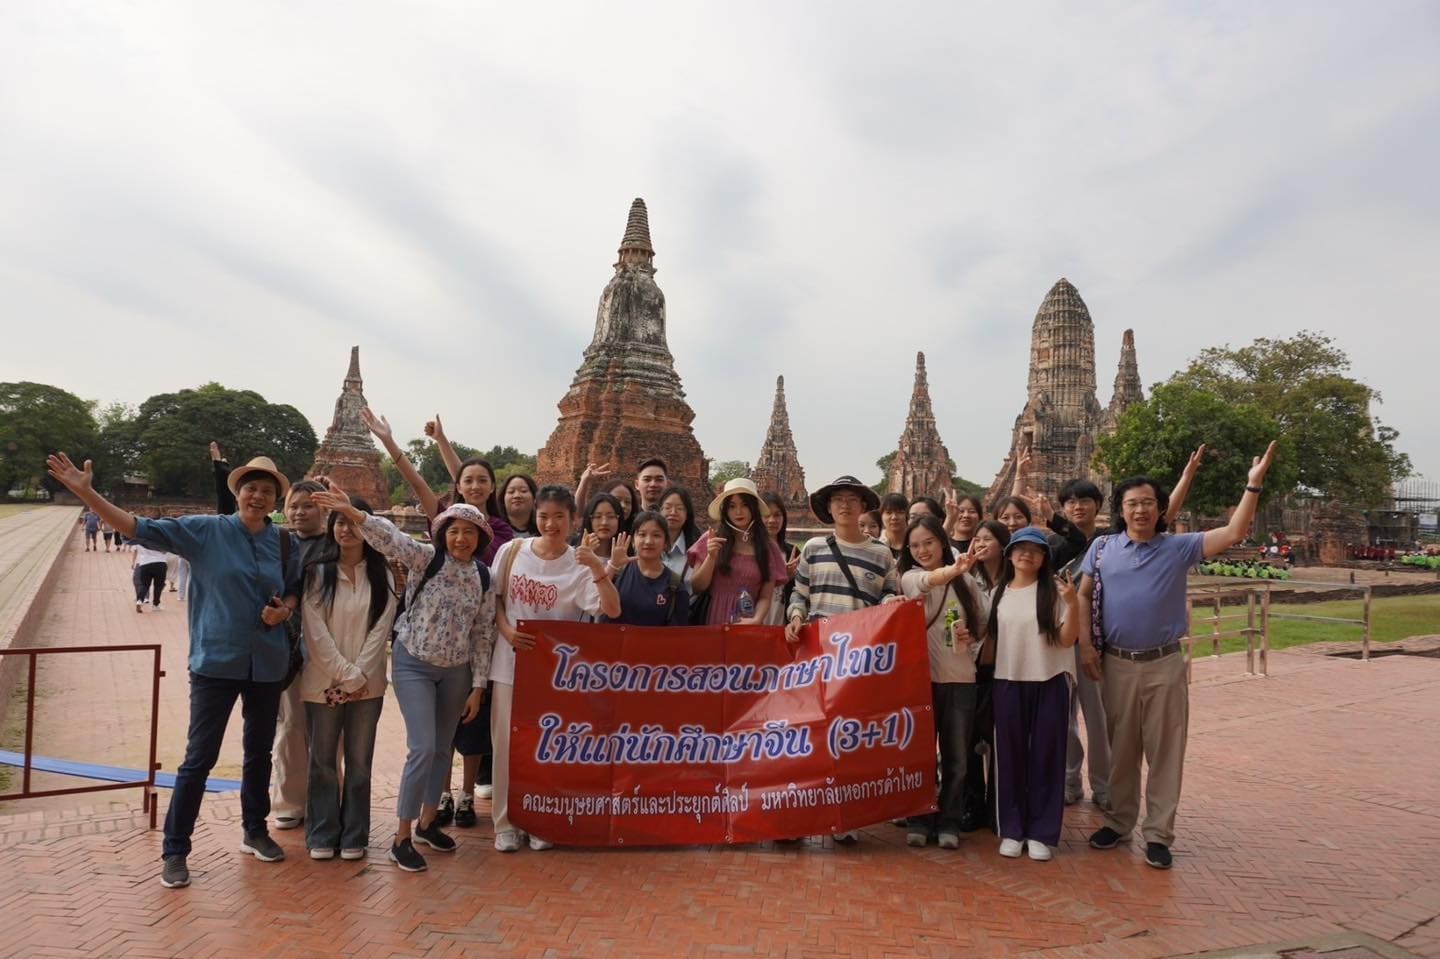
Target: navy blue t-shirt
point(662, 601)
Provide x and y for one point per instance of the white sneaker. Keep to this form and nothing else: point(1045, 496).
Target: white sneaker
point(484, 792)
point(322, 854)
point(356, 853)
point(287, 822)
point(1038, 850)
point(1011, 848)
point(540, 845)
point(916, 838)
point(949, 840)
point(507, 841)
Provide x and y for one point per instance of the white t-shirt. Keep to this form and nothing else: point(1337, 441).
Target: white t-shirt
point(144, 556)
point(539, 589)
point(1022, 653)
point(953, 663)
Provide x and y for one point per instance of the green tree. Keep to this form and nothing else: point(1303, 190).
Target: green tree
point(724, 471)
point(1156, 438)
point(1301, 383)
point(35, 421)
point(171, 431)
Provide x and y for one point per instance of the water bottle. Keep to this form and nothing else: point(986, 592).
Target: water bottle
point(744, 604)
point(952, 616)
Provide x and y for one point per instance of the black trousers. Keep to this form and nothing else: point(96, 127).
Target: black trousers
point(150, 576)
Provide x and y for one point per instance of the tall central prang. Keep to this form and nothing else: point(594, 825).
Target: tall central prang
point(626, 402)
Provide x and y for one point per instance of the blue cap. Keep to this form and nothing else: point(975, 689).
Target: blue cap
point(1027, 535)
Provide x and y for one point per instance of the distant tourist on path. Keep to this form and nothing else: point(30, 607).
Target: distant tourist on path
point(245, 585)
point(1136, 581)
point(348, 609)
point(149, 566)
point(92, 530)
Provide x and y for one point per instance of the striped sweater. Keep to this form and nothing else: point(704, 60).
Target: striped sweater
point(821, 588)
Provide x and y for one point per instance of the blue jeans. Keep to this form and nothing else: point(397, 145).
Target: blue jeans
point(431, 699)
point(336, 819)
point(211, 702)
point(955, 732)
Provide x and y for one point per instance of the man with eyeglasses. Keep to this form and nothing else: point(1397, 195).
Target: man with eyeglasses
point(1135, 580)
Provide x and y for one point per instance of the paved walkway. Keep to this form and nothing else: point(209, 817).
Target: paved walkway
point(25, 558)
point(1311, 815)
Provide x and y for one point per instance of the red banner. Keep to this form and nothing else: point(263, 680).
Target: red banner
point(625, 735)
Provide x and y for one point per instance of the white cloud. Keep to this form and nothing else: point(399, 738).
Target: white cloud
point(200, 192)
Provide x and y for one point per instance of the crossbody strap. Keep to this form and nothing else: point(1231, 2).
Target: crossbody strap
point(844, 566)
point(502, 586)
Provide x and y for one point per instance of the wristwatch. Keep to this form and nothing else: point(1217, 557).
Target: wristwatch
point(1257, 490)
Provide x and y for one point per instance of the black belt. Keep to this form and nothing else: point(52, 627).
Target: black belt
point(1144, 655)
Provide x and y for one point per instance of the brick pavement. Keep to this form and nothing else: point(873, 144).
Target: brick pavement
point(1311, 814)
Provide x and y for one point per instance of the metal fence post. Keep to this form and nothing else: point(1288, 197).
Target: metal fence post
point(1365, 643)
point(1265, 633)
point(1250, 631)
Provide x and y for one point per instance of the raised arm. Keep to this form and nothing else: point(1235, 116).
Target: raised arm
point(81, 482)
point(224, 499)
point(379, 532)
point(1182, 488)
point(1022, 467)
point(1219, 540)
point(436, 431)
point(380, 426)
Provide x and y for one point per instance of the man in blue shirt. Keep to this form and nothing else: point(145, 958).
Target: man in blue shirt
point(1136, 580)
point(244, 586)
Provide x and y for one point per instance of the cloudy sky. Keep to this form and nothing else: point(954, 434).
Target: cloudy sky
point(240, 191)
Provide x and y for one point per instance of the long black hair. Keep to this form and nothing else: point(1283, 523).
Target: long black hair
point(490, 506)
point(690, 530)
point(1019, 504)
point(907, 562)
point(377, 568)
point(782, 540)
point(1002, 536)
point(759, 534)
point(628, 513)
point(529, 482)
point(1046, 598)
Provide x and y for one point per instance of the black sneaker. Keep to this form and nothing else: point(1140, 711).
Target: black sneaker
point(445, 812)
point(175, 875)
point(1105, 838)
point(465, 813)
point(262, 847)
point(434, 838)
point(403, 854)
point(1158, 855)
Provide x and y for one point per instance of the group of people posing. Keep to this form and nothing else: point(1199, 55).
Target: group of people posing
point(1032, 616)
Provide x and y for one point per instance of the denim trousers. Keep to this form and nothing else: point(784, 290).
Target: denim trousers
point(431, 699)
point(955, 731)
point(211, 702)
point(336, 817)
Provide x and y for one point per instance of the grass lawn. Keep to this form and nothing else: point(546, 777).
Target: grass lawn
point(10, 509)
point(1392, 618)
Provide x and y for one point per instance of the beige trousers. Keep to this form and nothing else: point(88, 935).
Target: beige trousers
point(502, 695)
point(1147, 712)
point(290, 775)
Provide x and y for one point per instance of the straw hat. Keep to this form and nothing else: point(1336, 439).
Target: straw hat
point(260, 464)
point(470, 515)
point(738, 485)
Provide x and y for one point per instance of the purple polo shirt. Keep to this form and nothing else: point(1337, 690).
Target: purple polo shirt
point(1142, 602)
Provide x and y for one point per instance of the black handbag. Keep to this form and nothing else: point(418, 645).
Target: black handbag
point(292, 625)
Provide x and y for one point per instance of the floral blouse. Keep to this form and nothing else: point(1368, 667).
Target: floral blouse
point(451, 622)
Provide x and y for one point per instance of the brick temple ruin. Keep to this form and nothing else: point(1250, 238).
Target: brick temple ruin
point(348, 454)
point(778, 470)
point(922, 465)
point(626, 402)
point(1062, 418)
